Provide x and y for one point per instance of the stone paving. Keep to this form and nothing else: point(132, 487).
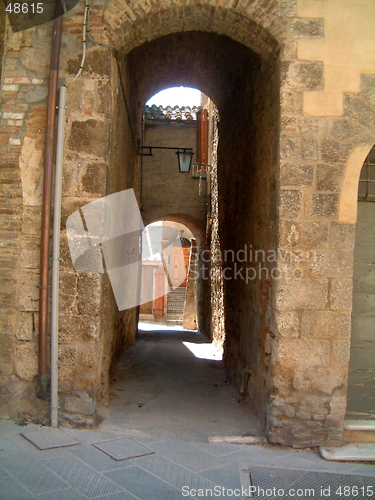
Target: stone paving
point(88, 464)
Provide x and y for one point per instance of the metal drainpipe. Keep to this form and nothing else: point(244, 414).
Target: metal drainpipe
point(46, 205)
point(56, 258)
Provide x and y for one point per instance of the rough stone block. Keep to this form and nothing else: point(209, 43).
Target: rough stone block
point(82, 403)
point(288, 8)
point(325, 324)
point(66, 378)
point(334, 151)
point(341, 353)
point(324, 205)
point(328, 178)
point(306, 294)
point(299, 175)
point(89, 294)
point(305, 235)
point(293, 353)
point(88, 137)
point(290, 203)
point(319, 380)
point(31, 220)
point(26, 360)
point(302, 75)
point(25, 326)
point(342, 235)
point(290, 147)
point(332, 263)
point(67, 355)
point(290, 101)
point(73, 327)
point(311, 28)
point(310, 148)
point(30, 251)
point(288, 324)
point(28, 295)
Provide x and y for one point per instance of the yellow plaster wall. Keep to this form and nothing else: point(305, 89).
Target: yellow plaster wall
point(347, 50)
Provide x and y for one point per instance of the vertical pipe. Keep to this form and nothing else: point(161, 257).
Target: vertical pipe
point(56, 258)
point(46, 204)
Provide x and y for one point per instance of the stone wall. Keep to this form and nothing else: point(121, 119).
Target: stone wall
point(295, 126)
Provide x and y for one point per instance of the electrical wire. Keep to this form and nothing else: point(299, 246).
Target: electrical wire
point(84, 42)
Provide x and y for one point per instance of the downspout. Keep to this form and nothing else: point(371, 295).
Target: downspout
point(46, 204)
point(56, 235)
point(56, 258)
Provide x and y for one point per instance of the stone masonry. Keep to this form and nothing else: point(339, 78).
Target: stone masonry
point(296, 104)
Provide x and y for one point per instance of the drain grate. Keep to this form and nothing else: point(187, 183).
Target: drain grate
point(49, 438)
point(278, 484)
point(123, 449)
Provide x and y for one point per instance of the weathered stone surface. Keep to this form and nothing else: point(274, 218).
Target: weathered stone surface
point(306, 235)
point(26, 360)
point(342, 235)
point(291, 353)
point(25, 326)
point(78, 328)
point(28, 297)
point(328, 178)
point(288, 324)
point(305, 294)
point(341, 354)
point(87, 137)
point(302, 75)
point(324, 205)
point(291, 147)
point(290, 203)
point(341, 294)
point(310, 148)
point(298, 175)
point(307, 28)
point(335, 263)
point(320, 379)
point(89, 294)
point(82, 403)
point(325, 324)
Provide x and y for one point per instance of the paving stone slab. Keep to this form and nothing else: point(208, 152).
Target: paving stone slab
point(143, 484)
point(49, 438)
point(361, 452)
point(123, 449)
point(171, 473)
point(13, 490)
point(227, 476)
point(218, 450)
point(27, 446)
point(68, 494)
point(97, 459)
point(7, 445)
point(32, 473)
point(82, 477)
point(122, 495)
point(187, 455)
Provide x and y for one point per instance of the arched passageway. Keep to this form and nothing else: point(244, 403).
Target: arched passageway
point(245, 88)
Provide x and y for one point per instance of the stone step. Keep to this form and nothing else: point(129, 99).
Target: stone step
point(359, 431)
point(353, 452)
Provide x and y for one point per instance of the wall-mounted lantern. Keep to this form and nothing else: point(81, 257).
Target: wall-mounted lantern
point(184, 155)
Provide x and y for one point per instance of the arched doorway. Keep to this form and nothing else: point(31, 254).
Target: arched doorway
point(361, 380)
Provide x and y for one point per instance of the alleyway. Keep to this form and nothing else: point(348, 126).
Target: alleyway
point(164, 386)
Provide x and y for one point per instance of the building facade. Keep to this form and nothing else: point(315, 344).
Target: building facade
point(294, 85)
